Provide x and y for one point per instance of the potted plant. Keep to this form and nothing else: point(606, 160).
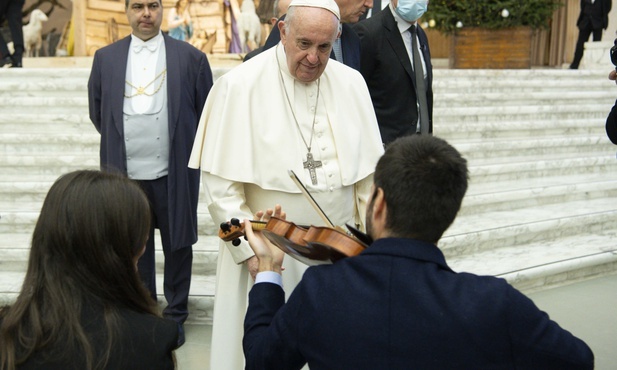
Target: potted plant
point(489, 33)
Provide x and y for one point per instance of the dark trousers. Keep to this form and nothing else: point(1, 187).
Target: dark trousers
point(583, 35)
point(178, 262)
point(11, 11)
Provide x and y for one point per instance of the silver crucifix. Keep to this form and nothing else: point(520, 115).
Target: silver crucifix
point(311, 164)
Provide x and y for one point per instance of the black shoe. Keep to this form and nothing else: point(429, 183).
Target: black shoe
point(181, 338)
point(6, 61)
point(16, 61)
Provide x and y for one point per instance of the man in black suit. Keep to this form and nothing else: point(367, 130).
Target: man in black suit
point(146, 93)
point(11, 11)
point(592, 19)
point(388, 66)
point(346, 48)
point(397, 305)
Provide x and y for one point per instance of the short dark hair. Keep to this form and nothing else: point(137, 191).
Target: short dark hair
point(424, 180)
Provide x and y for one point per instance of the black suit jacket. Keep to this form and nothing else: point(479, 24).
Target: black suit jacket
point(398, 305)
point(144, 342)
point(350, 45)
point(386, 67)
point(595, 14)
point(189, 80)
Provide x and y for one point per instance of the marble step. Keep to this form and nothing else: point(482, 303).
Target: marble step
point(544, 145)
point(67, 121)
point(518, 114)
point(510, 76)
point(17, 196)
point(480, 171)
point(446, 124)
point(532, 169)
point(77, 97)
point(537, 266)
point(44, 142)
point(50, 104)
point(88, 143)
point(483, 98)
point(34, 86)
point(495, 229)
point(450, 126)
point(510, 196)
point(507, 99)
point(15, 249)
point(464, 85)
point(23, 221)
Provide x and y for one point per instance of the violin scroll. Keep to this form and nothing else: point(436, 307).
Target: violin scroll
point(233, 230)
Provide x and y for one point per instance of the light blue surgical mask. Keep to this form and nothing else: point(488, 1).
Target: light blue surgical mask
point(411, 10)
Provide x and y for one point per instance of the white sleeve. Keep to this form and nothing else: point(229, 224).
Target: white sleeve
point(225, 201)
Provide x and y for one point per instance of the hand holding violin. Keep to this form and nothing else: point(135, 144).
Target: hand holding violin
point(270, 257)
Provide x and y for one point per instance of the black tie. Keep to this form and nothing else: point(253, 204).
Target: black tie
point(419, 80)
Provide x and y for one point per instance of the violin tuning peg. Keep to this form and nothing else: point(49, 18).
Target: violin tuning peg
point(236, 242)
point(225, 227)
point(235, 222)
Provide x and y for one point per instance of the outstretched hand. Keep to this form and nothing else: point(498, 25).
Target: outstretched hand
point(270, 257)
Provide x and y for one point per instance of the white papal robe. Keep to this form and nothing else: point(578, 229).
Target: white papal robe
point(247, 141)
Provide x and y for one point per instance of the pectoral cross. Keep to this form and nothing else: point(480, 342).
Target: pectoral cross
point(311, 164)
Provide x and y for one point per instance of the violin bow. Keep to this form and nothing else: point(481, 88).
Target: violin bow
point(310, 198)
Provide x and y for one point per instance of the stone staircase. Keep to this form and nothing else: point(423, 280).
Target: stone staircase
point(541, 209)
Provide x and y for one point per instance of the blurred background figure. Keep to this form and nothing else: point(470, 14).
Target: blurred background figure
point(82, 304)
point(592, 20)
point(179, 21)
point(10, 10)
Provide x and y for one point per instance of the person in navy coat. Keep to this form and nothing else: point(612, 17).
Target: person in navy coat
point(397, 305)
point(387, 66)
point(146, 93)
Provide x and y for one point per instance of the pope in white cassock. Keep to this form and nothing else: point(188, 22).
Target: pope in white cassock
point(289, 108)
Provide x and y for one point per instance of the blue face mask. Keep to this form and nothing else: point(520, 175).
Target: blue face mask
point(411, 10)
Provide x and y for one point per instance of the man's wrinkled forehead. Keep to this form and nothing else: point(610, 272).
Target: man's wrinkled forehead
point(126, 2)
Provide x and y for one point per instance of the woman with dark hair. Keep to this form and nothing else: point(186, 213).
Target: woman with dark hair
point(82, 304)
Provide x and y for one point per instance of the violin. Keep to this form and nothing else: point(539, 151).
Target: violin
point(313, 245)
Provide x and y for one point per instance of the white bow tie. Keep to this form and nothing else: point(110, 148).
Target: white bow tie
point(152, 47)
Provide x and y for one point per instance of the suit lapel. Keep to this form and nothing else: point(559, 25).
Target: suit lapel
point(173, 84)
point(118, 81)
point(395, 40)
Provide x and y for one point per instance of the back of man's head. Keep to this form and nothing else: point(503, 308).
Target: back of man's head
point(424, 180)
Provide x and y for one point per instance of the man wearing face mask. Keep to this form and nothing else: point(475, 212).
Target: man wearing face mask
point(395, 61)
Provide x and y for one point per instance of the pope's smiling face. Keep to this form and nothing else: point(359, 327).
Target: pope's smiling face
point(145, 17)
point(307, 36)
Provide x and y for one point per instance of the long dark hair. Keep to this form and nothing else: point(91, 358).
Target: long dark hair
point(91, 229)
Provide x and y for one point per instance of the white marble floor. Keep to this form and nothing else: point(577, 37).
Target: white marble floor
point(586, 309)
